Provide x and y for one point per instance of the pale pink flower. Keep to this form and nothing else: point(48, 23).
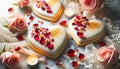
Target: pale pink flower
point(23, 3)
point(17, 23)
point(91, 5)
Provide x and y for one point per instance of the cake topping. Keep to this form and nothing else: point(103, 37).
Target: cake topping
point(10, 9)
point(18, 48)
point(102, 43)
point(80, 24)
point(44, 6)
point(82, 57)
point(63, 23)
point(71, 53)
point(75, 64)
point(43, 36)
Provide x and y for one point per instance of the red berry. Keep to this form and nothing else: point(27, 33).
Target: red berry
point(36, 37)
point(49, 11)
point(10, 9)
point(102, 43)
point(47, 68)
point(43, 8)
point(76, 28)
point(78, 17)
point(63, 23)
point(50, 46)
point(71, 53)
point(81, 35)
point(35, 25)
point(73, 23)
point(18, 49)
point(75, 64)
point(37, 31)
point(47, 35)
point(42, 41)
point(58, 63)
point(20, 37)
point(82, 57)
point(79, 24)
point(31, 18)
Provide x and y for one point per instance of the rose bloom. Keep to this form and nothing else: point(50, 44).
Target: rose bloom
point(17, 23)
point(23, 3)
point(11, 60)
point(91, 5)
point(108, 55)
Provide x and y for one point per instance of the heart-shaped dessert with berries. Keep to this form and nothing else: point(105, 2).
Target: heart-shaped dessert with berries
point(50, 10)
point(48, 41)
point(85, 31)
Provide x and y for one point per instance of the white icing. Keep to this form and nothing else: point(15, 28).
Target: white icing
point(88, 33)
point(55, 7)
point(58, 40)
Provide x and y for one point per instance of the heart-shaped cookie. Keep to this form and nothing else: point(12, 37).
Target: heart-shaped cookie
point(50, 10)
point(48, 41)
point(85, 31)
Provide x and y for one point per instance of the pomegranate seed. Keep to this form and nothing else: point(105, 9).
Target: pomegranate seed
point(46, 4)
point(49, 11)
point(102, 43)
point(47, 68)
point(58, 63)
point(35, 25)
point(47, 35)
point(28, 23)
point(79, 24)
point(71, 53)
point(36, 37)
point(76, 28)
point(43, 8)
point(78, 17)
point(10, 9)
point(42, 41)
point(73, 23)
point(20, 37)
point(52, 40)
point(18, 49)
point(31, 18)
point(50, 46)
point(63, 23)
point(37, 31)
point(75, 64)
point(82, 57)
point(48, 7)
point(81, 35)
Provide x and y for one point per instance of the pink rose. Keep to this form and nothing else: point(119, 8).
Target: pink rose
point(17, 23)
point(23, 3)
point(11, 60)
point(108, 55)
point(91, 5)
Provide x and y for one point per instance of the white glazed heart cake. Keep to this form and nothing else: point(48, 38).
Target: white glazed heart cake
point(48, 41)
point(50, 10)
point(85, 31)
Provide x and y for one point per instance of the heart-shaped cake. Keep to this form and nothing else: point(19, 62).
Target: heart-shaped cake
point(85, 31)
point(48, 41)
point(50, 10)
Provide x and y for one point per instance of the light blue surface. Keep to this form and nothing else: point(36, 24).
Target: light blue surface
point(114, 6)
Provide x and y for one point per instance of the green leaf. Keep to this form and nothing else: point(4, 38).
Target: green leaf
point(5, 26)
point(15, 4)
point(3, 50)
point(119, 61)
